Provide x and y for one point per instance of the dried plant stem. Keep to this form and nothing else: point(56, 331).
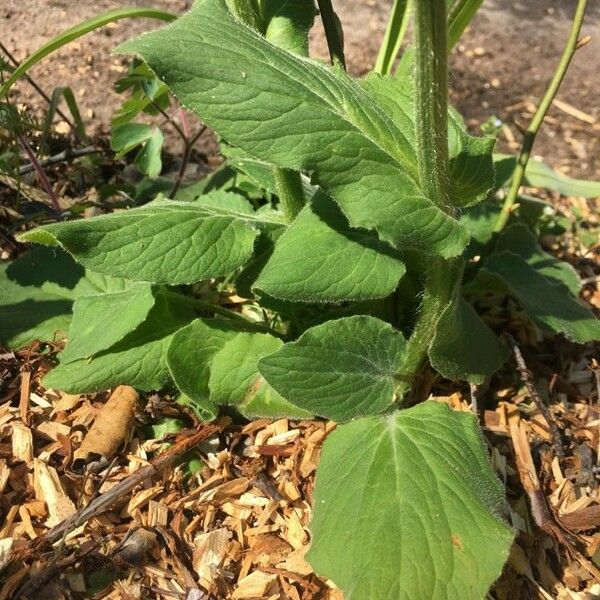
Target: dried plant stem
point(527, 379)
point(42, 177)
point(538, 118)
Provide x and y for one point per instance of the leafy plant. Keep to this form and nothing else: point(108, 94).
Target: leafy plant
point(348, 217)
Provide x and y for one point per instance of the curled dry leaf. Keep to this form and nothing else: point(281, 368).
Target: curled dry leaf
point(111, 428)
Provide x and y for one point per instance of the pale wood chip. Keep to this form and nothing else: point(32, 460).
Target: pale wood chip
point(4, 474)
point(143, 497)
point(53, 429)
point(22, 442)
point(256, 585)
point(225, 491)
point(210, 550)
point(158, 514)
point(49, 489)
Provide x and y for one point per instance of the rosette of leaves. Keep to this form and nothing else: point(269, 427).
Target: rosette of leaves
point(350, 233)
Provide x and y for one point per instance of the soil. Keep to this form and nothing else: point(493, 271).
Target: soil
point(500, 67)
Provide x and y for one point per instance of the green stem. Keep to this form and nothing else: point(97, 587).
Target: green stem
point(248, 12)
point(440, 286)
point(431, 102)
point(431, 129)
point(290, 192)
point(333, 33)
point(394, 34)
point(539, 116)
point(220, 310)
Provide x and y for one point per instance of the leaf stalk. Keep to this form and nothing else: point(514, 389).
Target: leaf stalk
point(538, 117)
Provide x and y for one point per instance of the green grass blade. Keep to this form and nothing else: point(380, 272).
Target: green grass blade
point(394, 34)
point(460, 15)
point(67, 94)
point(79, 30)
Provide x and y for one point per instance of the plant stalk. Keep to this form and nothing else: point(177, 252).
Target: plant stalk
point(540, 114)
point(248, 12)
point(333, 33)
point(431, 128)
point(289, 189)
point(394, 34)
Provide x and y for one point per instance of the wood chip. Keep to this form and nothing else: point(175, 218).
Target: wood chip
point(22, 442)
point(256, 585)
point(49, 489)
point(209, 553)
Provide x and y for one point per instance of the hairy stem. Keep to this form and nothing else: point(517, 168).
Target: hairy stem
point(290, 192)
point(539, 116)
point(431, 102)
point(247, 11)
point(333, 33)
point(431, 128)
point(394, 34)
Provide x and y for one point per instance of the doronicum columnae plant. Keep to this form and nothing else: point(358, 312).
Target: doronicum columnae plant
point(374, 232)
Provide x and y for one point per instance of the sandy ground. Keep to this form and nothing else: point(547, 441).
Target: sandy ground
point(502, 62)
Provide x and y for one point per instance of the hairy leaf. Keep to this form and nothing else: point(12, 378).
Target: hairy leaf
point(518, 239)
point(299, 114)
point(413, 503)
point(321, 259)
point(235, 380)
point(36, 295)
point(104, 314)
point(546, 302)
point(162, 242)
point(190, 355)
point(464, 347)
point(339, 370)
point(539, 174)
point(139, 359)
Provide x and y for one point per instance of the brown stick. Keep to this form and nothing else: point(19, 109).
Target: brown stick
point(527, 379)
point(105, 501)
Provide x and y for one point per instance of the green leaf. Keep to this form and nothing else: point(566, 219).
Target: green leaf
point(519, 239)
point(319, 258)
point(165, 241)
point(126, 137)
point(148, 161)
point(190, 355)
point(36, 296)
point(235, 380)
point(339, 370)
point(299, 114)
point(413, 503)
point(105, 314)
point(546, 302)
point(464, 347)
point(539, 174)
point(471, 163)
point(139, 359)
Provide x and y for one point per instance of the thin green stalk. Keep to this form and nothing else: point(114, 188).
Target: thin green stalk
point(75, 32)
point(459, 16)
point(290, 192)
point(394, 34)
point(333, 33)
point(431, 129)
point(539, 116)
